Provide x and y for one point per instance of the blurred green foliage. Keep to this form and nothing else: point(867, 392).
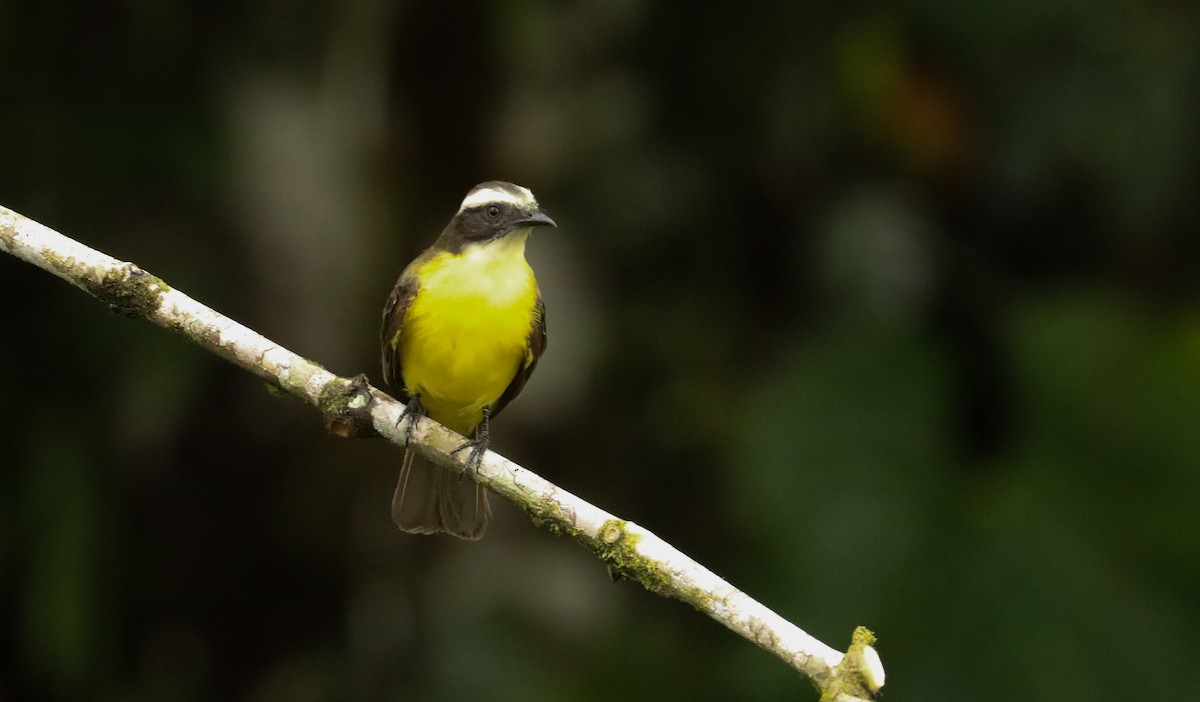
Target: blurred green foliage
point(886, 312)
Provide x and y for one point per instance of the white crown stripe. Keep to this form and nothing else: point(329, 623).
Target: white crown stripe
point(523, 198)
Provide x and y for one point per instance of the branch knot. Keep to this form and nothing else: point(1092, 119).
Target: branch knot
point(128, 291)
point(346, 405)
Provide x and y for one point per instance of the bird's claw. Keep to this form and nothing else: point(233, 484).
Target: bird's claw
point(412, 412)
point(478, 447)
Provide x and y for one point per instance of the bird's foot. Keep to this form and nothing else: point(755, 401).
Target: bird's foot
point(413, 411)
point(478, 445)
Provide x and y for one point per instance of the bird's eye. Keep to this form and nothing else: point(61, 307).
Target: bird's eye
point(493, 211)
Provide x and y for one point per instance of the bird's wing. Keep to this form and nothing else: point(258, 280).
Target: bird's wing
point(393, 322)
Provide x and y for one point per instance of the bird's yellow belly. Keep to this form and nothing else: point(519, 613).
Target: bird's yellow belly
point(461, 347)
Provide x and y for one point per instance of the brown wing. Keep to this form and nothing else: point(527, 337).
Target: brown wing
point(535, 346)
point(389, 334)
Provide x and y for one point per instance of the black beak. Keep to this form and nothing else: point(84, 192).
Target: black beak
point(537, 218)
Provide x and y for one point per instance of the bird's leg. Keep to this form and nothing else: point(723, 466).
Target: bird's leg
point(478, 445)
point(413, 411)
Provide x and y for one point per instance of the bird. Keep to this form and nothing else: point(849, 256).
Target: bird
point(463, 330)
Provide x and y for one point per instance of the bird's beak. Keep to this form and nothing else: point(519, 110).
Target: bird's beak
point(537, 218)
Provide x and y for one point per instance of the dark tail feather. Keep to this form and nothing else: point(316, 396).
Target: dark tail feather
point(432, 500)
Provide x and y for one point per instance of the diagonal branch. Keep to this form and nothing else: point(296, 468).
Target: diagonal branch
point(353, 408)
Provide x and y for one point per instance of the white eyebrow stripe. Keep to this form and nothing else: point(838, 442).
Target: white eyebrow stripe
point(522, 199)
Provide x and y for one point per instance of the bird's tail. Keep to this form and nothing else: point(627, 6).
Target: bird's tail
point(432, 500)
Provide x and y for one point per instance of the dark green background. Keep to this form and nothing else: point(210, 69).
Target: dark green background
point(886, 312)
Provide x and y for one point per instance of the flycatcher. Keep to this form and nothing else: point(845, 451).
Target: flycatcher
point(462, 331)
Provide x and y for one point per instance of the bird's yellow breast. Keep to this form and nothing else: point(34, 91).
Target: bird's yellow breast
point(466, 331)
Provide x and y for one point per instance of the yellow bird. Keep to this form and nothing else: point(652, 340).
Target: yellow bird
point(462, 331)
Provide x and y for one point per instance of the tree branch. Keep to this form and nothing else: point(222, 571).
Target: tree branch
point(353, 408)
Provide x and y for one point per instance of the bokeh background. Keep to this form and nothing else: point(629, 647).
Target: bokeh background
point(887, 312)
